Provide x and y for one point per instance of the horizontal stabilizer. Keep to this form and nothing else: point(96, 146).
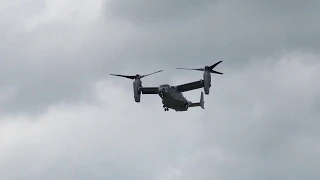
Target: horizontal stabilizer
point(201, 103)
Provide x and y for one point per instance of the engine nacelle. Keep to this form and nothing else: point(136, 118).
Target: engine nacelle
point(207, 82)
point(136, 90)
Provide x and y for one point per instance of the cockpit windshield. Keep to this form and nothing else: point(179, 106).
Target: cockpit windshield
point(167, 86)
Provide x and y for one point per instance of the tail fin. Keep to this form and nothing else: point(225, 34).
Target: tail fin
point(201, 103)
point(202, 100)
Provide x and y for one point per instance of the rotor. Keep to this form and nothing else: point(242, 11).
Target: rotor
point(137, 76)
point(206, 68)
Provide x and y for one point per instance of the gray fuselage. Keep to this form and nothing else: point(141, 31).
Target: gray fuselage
point(172, 98)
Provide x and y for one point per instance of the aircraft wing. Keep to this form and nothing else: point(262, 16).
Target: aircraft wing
point(190, 86)
point(149, 90)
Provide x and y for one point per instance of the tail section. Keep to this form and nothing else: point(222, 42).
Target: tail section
point(202, 100)
point(201, 103)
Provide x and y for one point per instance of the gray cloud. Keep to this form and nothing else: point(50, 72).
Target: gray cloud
point(266, 127)
point(64, 56)
point(229, 30)
point(156, 11)
point(247, 133)
point(260, 121)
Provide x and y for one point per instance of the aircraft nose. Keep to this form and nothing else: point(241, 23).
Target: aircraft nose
point(162, 89)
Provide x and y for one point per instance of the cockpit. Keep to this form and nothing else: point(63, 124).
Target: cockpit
point(166, 87)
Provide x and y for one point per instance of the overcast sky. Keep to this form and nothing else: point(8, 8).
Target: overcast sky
point(63, 117)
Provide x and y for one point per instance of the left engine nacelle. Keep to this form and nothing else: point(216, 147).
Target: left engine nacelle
point(136, 90)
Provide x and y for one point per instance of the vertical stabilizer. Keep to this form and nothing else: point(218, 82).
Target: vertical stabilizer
point(201, 103)
point(202, 100)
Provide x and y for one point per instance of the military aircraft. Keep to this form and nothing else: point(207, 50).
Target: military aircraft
point(207, 70)
point(171, 96)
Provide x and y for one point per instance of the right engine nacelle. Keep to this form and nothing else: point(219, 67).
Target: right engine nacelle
point(207, 82)
point(136, 92)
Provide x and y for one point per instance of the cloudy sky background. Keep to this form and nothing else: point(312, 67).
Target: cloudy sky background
point(63, 117)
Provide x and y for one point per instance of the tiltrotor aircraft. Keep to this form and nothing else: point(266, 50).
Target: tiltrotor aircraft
point(172, 96)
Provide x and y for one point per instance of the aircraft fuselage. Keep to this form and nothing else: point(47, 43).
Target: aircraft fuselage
point(173, 99)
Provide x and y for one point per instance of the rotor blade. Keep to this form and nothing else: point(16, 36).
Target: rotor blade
point(129, 77)
point(214, 65)
point(150, 74)
point(199, 69)
point(216, 72)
